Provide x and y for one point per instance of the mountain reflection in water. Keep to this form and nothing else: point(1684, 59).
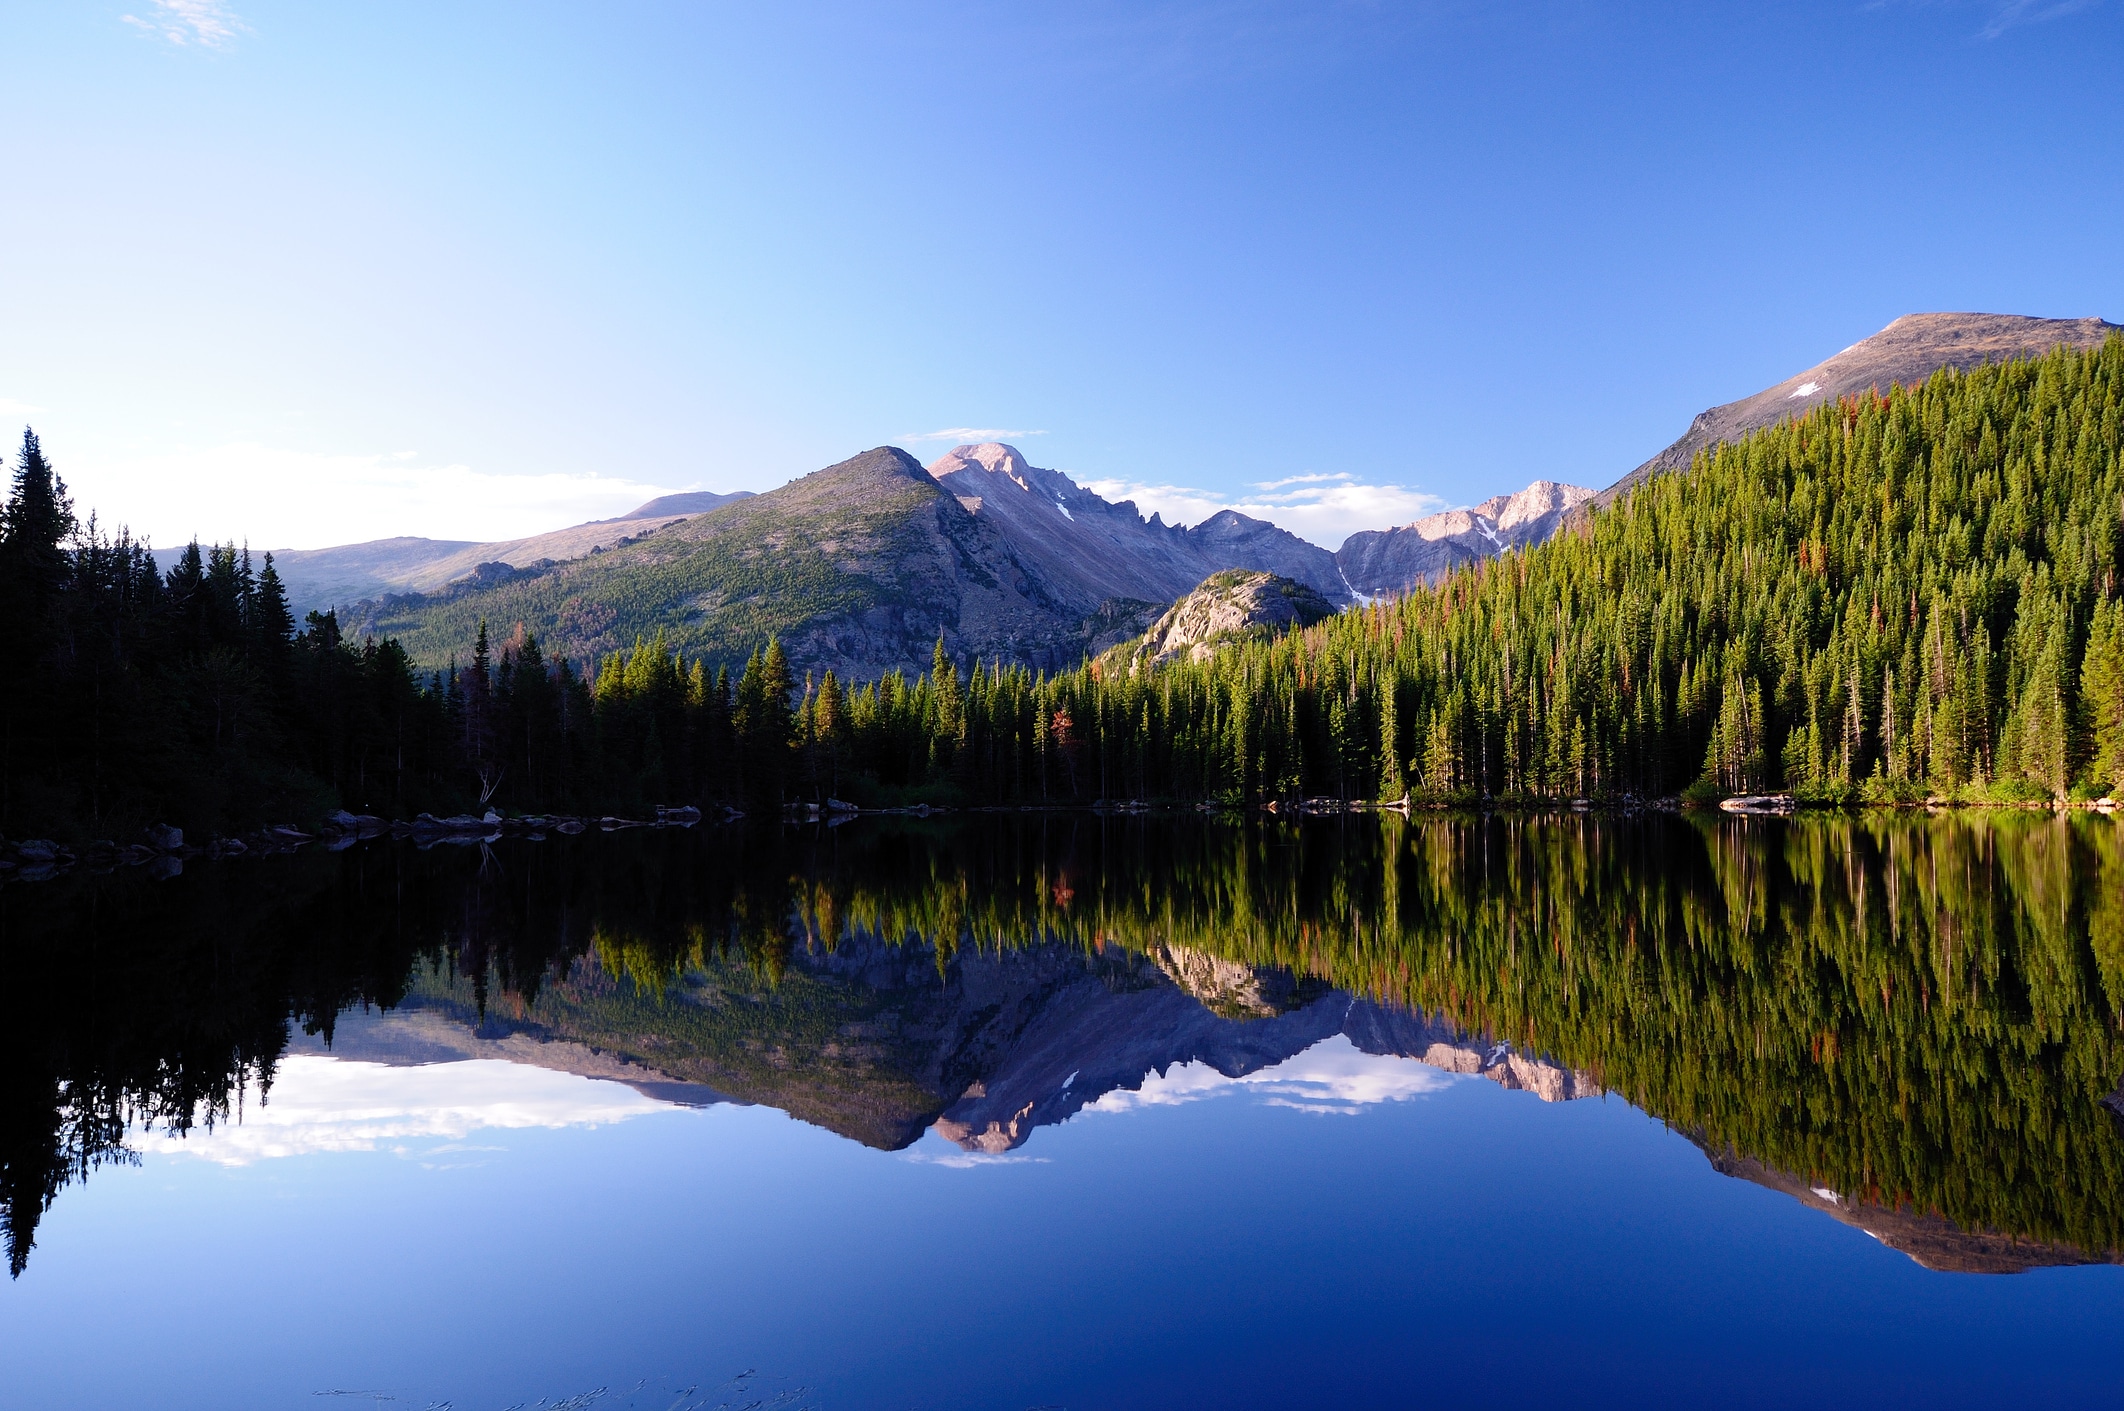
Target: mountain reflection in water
point(1908, 1023)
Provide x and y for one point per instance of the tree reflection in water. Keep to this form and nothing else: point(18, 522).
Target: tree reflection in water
point(1909, 1022)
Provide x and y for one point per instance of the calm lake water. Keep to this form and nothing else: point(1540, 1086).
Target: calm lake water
point(1060, 1111)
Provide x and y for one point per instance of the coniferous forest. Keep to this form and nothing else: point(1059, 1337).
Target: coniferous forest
point(1891, 598)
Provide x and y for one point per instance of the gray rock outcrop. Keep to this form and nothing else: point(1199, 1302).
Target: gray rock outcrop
point(1227, 607)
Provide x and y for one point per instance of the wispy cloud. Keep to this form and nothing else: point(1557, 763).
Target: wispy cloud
point(2015, 13)
point(1324, 507)
point(1302, 480)
point(2001, 15)
point(962, 434)
point(10, 407)
point(209, 24)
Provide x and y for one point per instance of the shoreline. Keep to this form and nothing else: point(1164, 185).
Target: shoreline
point(165, 851)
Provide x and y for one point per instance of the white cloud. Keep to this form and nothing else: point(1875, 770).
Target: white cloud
point(276, 498)
point(322, 1104)
point(209, 24)
point(965, 435)
point(1323, 508)
point(10, 407)
point(1333, 1076)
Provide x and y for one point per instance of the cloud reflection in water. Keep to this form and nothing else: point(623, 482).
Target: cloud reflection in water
point(322, 1104)
point(1332, 1076)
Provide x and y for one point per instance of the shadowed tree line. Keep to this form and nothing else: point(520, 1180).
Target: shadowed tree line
point(192, 696)
point(166, 1004)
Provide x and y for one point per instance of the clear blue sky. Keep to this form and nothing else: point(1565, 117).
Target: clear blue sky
point(309, 273)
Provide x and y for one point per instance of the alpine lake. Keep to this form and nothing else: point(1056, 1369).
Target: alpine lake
point(1068, 1110)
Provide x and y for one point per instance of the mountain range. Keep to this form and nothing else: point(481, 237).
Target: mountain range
point(348, 573)
point(862, 566)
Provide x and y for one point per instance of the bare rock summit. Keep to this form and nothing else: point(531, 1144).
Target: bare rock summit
point(1231, 606)
point(1387, 562)
point(1097, 549)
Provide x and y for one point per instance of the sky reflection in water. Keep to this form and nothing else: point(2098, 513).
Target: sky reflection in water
point(1340, 1228)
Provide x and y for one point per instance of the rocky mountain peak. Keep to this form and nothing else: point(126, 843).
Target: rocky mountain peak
point(992, 457)
point(1094, 550)
point(1382, 563)
point(1543, 497)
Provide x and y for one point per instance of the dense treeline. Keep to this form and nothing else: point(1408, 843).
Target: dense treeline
point(192, 696)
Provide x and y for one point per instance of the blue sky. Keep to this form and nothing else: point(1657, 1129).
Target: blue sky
point(305, 274)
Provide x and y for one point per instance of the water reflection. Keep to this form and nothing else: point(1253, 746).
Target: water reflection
point(326, 1104)
point(1907, 1023)
point(881, 1041)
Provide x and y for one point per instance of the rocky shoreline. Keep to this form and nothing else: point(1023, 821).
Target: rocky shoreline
point(163, 850)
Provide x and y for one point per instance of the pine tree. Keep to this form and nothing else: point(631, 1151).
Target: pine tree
point(830, 727)
point(273, 624)
point(34, 529)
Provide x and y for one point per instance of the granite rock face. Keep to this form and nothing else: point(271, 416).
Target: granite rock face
point(1095, 549)
point(1228, 607)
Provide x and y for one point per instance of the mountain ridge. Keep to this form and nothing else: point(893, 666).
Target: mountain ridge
point(1907, 352)
point(1090, 572)
point(340, 575)
point(859, 567)
point(1107, 548)
point(862, 567)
